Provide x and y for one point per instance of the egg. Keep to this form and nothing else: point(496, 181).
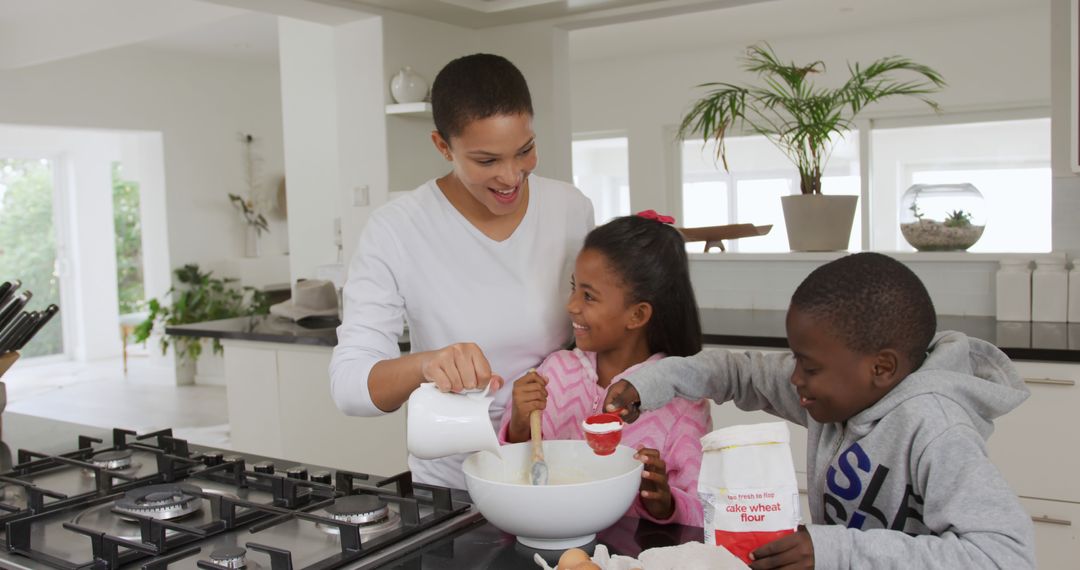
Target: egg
point(571, 558)
point(586, 565)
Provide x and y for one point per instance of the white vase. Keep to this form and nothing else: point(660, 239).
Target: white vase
point(185, 370)
point(251, 241)
point(407, 86)
point(818, 223)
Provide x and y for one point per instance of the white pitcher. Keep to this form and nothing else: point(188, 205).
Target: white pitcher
point(445, 423)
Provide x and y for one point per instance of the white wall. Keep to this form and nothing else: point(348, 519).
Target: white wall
point(335, 83)
point(1066, 205)
point(997, 61)
point(198, 104)
point(334, 120)
point(426, 46)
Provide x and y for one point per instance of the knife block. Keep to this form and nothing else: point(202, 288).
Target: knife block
point(5, 362)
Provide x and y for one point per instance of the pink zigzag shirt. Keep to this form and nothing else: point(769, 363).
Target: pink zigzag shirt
point(675, 430)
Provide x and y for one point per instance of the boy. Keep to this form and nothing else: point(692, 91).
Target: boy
point(898, 473)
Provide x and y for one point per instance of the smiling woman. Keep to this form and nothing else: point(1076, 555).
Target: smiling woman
point(477, 261)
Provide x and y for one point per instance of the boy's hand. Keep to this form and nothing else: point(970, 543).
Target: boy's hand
point(794, 551)
point(655, 491)
point(622, 398)
point(530, 393)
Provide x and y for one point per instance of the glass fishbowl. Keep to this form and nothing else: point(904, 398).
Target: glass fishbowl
point(942, 217)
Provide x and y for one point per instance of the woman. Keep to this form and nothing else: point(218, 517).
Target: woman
point(478, 261)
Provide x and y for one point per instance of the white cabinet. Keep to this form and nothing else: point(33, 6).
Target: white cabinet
point(279, 405)
point(1035, 446)
point(1057, 533)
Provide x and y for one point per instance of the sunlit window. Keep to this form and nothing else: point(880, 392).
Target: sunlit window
point(759, 174)
point(1007, 161)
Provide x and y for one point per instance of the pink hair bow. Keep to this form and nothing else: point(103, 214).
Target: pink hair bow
point(653, 215)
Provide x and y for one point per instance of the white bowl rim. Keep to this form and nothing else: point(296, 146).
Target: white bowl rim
point(637, 469)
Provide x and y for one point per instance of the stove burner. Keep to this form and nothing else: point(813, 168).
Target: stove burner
point(162, 502)
point(372, 514)
point(360, 509)
point(112, 460)
point(229, 557)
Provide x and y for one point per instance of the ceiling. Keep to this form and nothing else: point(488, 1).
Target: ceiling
point(39, 31)
point(44, 30)
point(772, 20)
point(566, 13)
point(248, 37)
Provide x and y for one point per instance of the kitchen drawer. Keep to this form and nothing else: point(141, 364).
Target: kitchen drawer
point(1057, 533)
point(1034, 446)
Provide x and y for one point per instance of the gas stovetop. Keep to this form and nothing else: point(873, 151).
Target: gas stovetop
point(151, 502)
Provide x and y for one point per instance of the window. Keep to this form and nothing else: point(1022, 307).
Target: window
point(127, 223)
point(602, 172)
point(1008, 161)
point(28, 250)
point(750, 192)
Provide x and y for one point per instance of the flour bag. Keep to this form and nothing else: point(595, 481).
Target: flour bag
point(747, 487)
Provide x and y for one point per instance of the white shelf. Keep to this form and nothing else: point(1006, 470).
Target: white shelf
point(422, 109)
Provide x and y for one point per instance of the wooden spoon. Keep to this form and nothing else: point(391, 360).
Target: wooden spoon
point(539, 472)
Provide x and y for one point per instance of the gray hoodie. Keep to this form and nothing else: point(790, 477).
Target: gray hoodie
point(905, 483)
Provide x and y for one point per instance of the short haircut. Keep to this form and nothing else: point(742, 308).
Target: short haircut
point(476, 87)
point(650, 258)
point(871, 302)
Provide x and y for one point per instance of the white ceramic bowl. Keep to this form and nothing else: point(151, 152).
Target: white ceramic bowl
point(585, 494)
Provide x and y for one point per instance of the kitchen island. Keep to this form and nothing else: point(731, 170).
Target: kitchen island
point(278, 395)
point(1052, 342)
point(278, 387)
point(467, 542)
point(1029, 445)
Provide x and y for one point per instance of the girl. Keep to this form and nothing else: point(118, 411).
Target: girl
point(631, 302)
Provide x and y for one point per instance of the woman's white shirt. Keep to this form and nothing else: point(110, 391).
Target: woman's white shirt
point(420, 260)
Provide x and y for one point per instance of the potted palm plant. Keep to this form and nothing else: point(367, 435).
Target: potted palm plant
point(802, 119)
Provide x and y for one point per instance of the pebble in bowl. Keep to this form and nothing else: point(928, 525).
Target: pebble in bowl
point(585, 494)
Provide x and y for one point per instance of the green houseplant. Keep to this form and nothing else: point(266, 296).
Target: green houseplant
point(199, 297)
point(799, 117)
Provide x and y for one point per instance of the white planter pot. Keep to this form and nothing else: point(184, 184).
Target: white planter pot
point(210, 370)
point(185, 371)
point(819, 223)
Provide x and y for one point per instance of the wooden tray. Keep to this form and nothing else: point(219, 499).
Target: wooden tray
point(712, 235)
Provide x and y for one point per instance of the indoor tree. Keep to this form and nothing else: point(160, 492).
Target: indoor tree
point(796, 115)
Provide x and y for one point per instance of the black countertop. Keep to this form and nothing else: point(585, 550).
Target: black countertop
point(1020, 340)
point(319, 331)
point(486, 547)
